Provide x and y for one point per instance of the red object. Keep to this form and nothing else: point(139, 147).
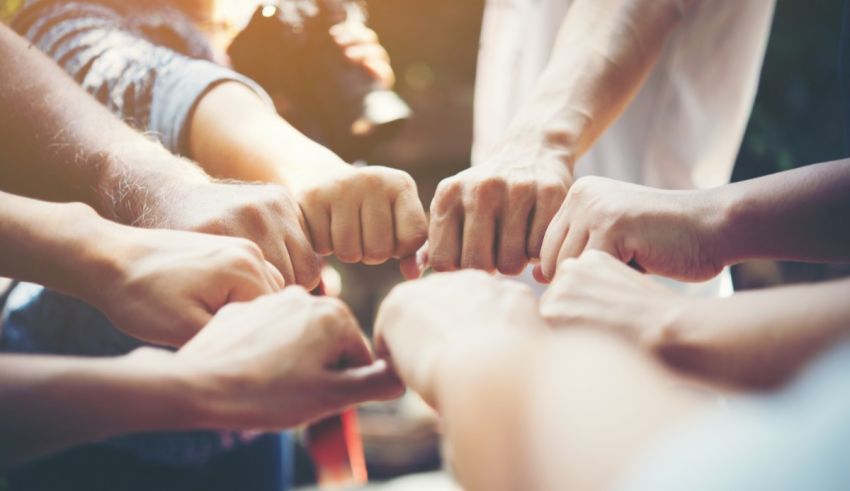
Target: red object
point(335, 445)
point(337, 451)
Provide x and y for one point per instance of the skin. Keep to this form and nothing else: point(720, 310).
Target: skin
point(160, 286)
point(519, 408)
point(269, 364)
point(755, 339)
point(367, 215)
point(494, 216)
point(797, 215)
point(59, 144)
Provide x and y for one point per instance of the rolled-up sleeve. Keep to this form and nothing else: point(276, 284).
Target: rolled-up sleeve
point(151, 87)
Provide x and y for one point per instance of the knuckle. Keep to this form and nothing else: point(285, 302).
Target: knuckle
point(446, 197)
point(488, 189)
point(442, 262)
point(512, 265)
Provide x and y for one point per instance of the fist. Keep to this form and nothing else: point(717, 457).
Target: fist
point(493, 216)
point(368, 214)
point(677, 234)
point(265, 214)
point(284, 360)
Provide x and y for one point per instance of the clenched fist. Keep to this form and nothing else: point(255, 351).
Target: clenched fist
point(678, 234)
point(368, 214)
point(493, 216)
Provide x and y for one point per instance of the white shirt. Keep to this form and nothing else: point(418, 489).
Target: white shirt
point(685, 125)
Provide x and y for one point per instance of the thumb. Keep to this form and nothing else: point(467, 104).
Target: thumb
point(374, 382)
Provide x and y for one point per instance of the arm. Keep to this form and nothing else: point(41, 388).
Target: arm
point(755, 339)
point(57, 143)
point(228, 376)
point(524, 407)
point(603, 53)
point(157, 285)
point(366, 214)
point(797, 215)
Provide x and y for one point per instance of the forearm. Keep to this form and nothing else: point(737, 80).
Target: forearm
point(234, 134)
point(757, 338)
point(47, 403)
point(799, 215)
point(63, 246)
point(602, 55)
point(58, 143)
point(567, 410)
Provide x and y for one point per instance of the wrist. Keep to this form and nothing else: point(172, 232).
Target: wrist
point(139, 180)
point(730, 232)
point(546, 148)
point(172, 396)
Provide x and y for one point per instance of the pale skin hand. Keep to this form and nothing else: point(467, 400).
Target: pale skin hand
point(160, 286)
point(756, 338)
point(367, 214)
point(273, 363)
point(418, 320)
point(284, 360)
point(691, 235)
point(495, 216)
point(59, 144)
point(678, 234)
point(265, 214)
point(525, 407)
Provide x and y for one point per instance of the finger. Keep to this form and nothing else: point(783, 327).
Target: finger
point(552, 242)
point(306, 264)
point(381, 71)
point(444, 239)
point(409, 268)
point(409, 223)
point(574, 244)
point(345, 232)
point(283, 263)
point(479, 230)
point(538, 275)
point(319, 224)
point(245, 286)
point(353, 33)
point(274, 277)
point(190, 323)
point(376, 222)
point(362, 52)
point(374, 382)
point(513, 234)
point(549, 201)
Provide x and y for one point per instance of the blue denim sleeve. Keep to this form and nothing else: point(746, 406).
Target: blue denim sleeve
point(150, 86)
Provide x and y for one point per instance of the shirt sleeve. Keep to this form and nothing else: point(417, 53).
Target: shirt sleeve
point(151, 87)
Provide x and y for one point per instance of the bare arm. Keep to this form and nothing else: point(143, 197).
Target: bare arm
point(756, 338)
point(525, 407)
point(603, 54)
point(59, 144)
point(370, 214)
point(494, 216)
point(798, 215)
point(224, 378)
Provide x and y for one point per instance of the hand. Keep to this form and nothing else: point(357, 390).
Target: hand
point(281, 361)
point(677, 234)
point(262, 213)
point(420, 320)
point(367, 214)
point(361, 46)
point(598, 291)
point(494, 216)
point(163, 286)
